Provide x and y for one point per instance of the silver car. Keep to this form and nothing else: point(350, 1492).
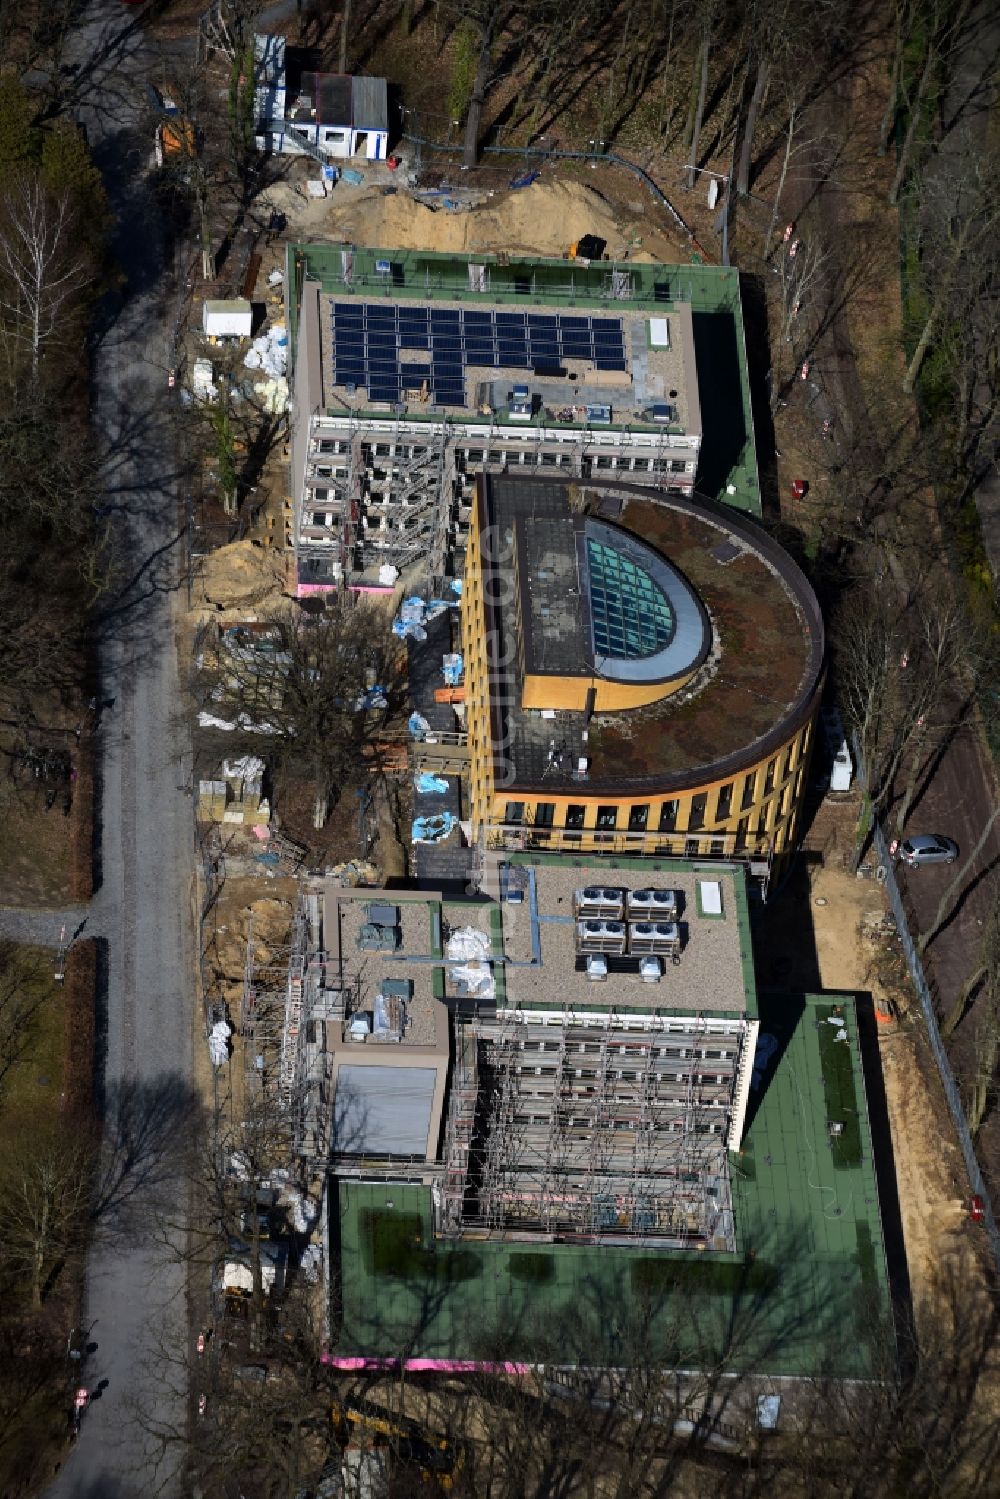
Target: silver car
point(927, 848)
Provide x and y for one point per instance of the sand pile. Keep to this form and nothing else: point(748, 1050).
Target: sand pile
point(241, 575)
point(543, 219)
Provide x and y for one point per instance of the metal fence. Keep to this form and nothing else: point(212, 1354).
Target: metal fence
point(948, 1082)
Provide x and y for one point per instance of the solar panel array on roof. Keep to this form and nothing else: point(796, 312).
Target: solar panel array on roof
point(368, 338)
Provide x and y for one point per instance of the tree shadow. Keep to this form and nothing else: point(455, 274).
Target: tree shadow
point(148, 1128)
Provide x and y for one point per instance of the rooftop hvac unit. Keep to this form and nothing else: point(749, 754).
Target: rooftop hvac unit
point(653, 902)
point(599, 900)
point(650, 970)
point(654, 936)
point(601, 936)
point(360, 1026)
point(597, 967)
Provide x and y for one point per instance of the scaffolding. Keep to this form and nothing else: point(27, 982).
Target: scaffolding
point(605, 1126)
point(262, 1015)
point(401, 490)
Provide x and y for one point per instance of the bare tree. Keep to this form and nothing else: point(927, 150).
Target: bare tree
point(708, 22)
point(938, 662)
point(935, 28)
point(894, 676)
point(47, 1181)
point(42, 272)
point(316, 704)
point(959, 219)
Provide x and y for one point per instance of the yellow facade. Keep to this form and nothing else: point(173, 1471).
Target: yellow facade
point(570, 693)
point(754, 810)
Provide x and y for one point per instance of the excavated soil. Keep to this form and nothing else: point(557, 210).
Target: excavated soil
point(543, 219)
point(241, 575)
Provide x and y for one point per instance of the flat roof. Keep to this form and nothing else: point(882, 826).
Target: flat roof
point(716, 401)
point(715, 973)
point(529, 368)
point(361, 970)
point(757, 685)
point(806, 1293)
point(532, 945)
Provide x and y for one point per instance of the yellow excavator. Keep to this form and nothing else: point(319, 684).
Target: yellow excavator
point(436, 1460)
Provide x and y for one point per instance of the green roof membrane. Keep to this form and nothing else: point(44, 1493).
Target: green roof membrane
point(805, 1295)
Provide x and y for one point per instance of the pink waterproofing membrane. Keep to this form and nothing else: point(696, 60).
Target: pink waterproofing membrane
point(307, 590)
point(423, 1365)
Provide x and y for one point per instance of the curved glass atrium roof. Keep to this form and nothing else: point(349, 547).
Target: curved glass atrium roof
point(646, 623)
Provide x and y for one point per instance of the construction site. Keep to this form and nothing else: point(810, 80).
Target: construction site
point(415, 372)
point(566, 1116)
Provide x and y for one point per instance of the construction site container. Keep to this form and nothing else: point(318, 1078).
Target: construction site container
point(233, 319)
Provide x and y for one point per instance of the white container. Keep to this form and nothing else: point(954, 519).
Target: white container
point(232, 319)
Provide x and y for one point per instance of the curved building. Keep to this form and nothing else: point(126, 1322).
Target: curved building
point(643, 673)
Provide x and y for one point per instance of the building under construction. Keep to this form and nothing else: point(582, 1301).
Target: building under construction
point(414, 371)
point(568, 1055)
point(545, 1123)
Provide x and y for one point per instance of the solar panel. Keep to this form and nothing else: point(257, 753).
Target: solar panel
point(544, 348)
point(415, 371)
point(607, 336)
point(510, 319)
point(604, 362)
point(446, 315)
point(414, 340)
point(449, 346)
point(408, 318)
point(376, 312)
point(383, 341)
point(542, 320)
point(574, 322)
point(608, 323)
point(477, 319)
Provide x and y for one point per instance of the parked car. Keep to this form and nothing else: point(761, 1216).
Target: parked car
point(927, 848)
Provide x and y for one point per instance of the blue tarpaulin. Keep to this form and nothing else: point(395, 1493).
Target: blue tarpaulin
point(407, 630)
point(428, 783)
point(433, 829)
point(418, 726)
point(452, 667)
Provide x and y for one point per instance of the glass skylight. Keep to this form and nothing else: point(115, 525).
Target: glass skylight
point(631, 616)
